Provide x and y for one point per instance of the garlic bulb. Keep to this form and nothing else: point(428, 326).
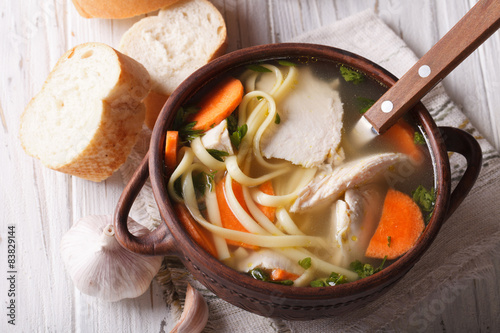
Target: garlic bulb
point(99, 266)
point(195, 314)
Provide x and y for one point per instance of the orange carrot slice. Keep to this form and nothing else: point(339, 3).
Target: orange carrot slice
point(171, 145)
point(402, 135)
point(270, 212)
point(199, 235)
point(228, 219)
point(279, 274)
point(402, 221)
point(218, 104)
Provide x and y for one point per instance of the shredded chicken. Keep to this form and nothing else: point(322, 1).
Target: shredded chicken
point(218, 138)
point(356, 218)
point(329, 187)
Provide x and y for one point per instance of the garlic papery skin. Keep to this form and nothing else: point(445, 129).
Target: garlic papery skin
point(99, 266)
point(194, 317)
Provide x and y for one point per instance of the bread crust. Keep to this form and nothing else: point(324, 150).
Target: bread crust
point(120, 122)
point(110, 146)
point(118, 9)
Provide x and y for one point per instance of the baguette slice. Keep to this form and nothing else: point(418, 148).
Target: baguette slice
point(118, 9)
point(172, 45)
point(87, 116)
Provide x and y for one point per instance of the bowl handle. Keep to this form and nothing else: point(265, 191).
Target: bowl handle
point(463, 143)
point(157, 242)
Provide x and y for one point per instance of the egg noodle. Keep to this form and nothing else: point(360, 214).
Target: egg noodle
point(257, 110)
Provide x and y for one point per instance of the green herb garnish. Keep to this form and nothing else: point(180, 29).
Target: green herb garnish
point(418, 138)
point(203, 182)
point(218, 154)
point(366, 269)
point(286, 63)
point(182, 115)
point(365, 104)
point(258, 68)
point(259, 274)
point(277, 120)
point(379, 268)
point(284, 282)
point(335, 279)
point(186, 131)
point(317, 283)
point(238, 135)
point(350, 75)
point(305, 263)
point(188, 134)
point(362, 270)
point(178, 187)
point(388, 241)
point(426, 200)
point(232, 124)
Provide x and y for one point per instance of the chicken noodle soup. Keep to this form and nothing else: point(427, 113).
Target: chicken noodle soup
point(266, 179)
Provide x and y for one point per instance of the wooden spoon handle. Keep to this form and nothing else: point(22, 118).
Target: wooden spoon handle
point(470, 32)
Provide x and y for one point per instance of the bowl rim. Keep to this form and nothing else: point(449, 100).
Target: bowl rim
point(212, 267)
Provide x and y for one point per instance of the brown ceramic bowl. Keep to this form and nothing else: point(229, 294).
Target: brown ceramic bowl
point(268, 299)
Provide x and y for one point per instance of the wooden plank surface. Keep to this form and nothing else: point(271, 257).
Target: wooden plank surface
point(43, 204)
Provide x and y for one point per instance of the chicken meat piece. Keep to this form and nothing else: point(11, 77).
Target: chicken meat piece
point(357, 217)
point(329, 187)
point(218, 138)
point(309, 131)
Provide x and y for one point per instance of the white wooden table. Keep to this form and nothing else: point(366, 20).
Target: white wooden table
point(42, 204)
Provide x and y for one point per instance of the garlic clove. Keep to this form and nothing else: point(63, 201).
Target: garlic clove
point(99, 266)
point(195, 314)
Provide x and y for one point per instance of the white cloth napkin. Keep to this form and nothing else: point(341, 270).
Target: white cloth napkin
point(462, 250)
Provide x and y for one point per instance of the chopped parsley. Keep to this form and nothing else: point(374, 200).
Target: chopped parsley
point(365, 104)
point(333, 280)
point(418, 138)
point(425, 200)
point(350, 75)
point(277, 120)
point(388, 241)
point(186, 131)
point(178, 187)
point(218, 154)
point(258, 68)
point(286, 63)
point(203, 182)
point(238, 135)
point(182, 115)
point(305, 263)
point(366, 269)
point(284, 282)
point(232, 124)
point(188, 134)
point(261, 275)
point(318, 283)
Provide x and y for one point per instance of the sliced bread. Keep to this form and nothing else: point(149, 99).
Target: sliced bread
point(118, 9)
point(87, 116)
point(173, 44)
